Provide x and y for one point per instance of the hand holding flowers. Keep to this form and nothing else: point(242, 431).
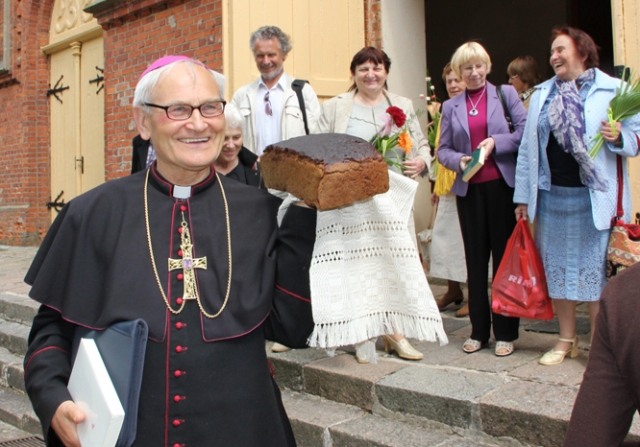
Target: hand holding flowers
point(624, 105)
point(611, 133)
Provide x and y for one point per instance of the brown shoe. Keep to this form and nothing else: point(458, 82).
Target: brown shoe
point(463, 311)
point(450, 297)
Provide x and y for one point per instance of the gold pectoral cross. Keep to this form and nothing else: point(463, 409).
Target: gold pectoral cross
point(188, 263)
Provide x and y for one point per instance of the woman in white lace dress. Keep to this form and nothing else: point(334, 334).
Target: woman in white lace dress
point(355, 113)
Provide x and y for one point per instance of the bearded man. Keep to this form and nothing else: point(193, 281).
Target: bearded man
point(271, 110)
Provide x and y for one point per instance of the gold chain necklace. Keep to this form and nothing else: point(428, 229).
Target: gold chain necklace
point(186, 241)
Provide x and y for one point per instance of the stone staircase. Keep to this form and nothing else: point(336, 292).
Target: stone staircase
point(17, 418)
point(334, 401)
point(448, 399)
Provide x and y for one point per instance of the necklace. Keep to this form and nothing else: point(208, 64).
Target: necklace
point(188, 263)
point(525, 95)
point(474, 110)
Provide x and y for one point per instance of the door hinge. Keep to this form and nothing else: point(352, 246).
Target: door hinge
point(55, 204)
point(57, 89)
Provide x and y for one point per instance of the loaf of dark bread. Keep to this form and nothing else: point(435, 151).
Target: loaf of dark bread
point(326, 171)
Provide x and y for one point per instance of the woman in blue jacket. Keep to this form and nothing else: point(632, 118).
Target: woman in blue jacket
point(571, 196)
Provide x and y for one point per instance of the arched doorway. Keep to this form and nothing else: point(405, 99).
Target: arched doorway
point(76, 101)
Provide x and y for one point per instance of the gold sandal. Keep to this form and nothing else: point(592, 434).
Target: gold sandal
point(556, 357)
point(403, 348)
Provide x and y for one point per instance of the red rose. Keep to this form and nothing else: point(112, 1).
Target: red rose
point(397, 115)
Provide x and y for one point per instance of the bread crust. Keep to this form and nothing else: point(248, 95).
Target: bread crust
point(326, 171)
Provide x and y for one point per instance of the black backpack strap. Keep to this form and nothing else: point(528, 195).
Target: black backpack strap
point(507, 113)
point(297, 85)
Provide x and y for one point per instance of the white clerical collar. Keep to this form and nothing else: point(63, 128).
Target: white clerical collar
point(181, 192)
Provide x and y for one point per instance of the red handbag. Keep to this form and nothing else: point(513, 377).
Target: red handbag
point(520, 286)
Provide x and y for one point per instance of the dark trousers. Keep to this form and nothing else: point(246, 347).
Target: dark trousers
point(487, 220)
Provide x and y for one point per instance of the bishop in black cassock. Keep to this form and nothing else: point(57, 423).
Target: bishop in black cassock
point(155, 245)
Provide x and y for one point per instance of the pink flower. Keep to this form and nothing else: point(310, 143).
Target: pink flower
point(387, 125)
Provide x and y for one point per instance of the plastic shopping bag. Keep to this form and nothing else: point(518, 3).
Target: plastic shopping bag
point(520, 286)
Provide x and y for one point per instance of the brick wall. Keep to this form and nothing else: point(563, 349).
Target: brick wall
point(137, 34)
point(24, 127)
point(372, 23)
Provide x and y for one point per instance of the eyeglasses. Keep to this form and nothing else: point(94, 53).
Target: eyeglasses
point(513, 77)
point(267, 105)
point(181, 112)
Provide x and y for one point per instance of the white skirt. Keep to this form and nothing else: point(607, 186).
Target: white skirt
point(446, 247)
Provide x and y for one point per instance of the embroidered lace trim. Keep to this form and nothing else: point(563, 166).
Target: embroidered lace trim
point(366, 276)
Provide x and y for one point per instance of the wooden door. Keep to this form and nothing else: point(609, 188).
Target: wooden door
point(77, 102)
point(92, 114)
point(64, 178)
point(626, 48)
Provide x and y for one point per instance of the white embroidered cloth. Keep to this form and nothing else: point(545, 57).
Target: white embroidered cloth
point(366, 276)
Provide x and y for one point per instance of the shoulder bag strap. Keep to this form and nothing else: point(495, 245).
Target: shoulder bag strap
point(297, 85)
point(620, 211)
point(505, 108)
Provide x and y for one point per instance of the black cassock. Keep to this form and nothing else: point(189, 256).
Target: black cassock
point(206, 382)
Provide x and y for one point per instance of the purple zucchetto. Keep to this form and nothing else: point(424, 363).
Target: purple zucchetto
point(166, 60)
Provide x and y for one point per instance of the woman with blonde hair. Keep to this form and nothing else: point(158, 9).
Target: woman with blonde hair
point(471, 121)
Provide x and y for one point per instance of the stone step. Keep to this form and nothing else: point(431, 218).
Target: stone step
point(478, 397)
point(11, 433)
point(318, 422)
point(11, 370)
point(16, 410)
point(499, 400)
point(17, 308)
point(14, 336)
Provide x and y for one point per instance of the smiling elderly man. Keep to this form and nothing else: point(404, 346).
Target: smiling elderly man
point(271, 110)
point(110, 256)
